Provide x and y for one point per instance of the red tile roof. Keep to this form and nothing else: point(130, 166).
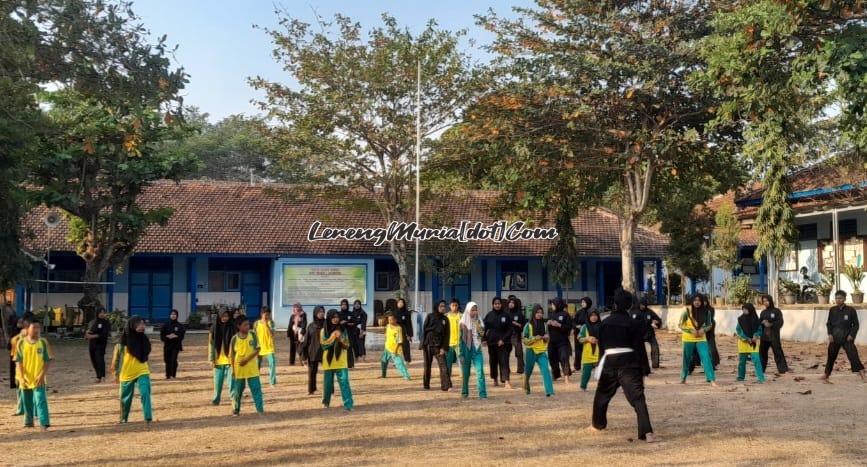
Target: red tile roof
point(235, 218)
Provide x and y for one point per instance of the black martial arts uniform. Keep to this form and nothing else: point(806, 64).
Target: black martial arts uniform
point(12, 330)
point(842, 325)
point(349, 319)
point(771, 339)
point(649, 317)
point(362, 330)
point(436, 346)
point(96, 347)
point(581, 318)
point(404, 319)
point(498, 327)
point(518, 322)
point(312, 351)
point(296, 339)
point(172, 347)
point(559, 347)
point(624, 370)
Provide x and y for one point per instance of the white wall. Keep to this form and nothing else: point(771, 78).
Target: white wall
point(212, 298)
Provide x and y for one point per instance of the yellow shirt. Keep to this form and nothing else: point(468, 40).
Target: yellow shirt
point(393, 338)
point(220, 358)
point(687, 328)
point(242, 348)
point(588, 354)
point(265, 334)
point(130, 367)
point(337, 363)
point(32, 356)
point(454, 329)
point(534, 343)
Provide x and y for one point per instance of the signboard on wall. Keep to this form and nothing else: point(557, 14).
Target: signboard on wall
point(324, 284)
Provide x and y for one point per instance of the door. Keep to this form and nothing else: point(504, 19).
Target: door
point(251, 293)
point(150, 295)
point(461, 289)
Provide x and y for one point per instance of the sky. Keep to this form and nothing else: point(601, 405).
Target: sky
point(219, 48)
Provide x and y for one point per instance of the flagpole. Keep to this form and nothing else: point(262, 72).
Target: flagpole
point(417, 175)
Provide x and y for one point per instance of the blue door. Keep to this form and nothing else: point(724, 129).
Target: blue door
point(150, 295)
point(461, 289)
point(251, 293)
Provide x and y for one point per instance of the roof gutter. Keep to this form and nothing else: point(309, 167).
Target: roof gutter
point(810, 193)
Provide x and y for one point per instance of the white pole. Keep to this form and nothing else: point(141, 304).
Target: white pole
point(835, 237)
point(417, 174)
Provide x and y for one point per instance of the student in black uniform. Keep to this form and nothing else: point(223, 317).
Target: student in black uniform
point(97, 335)
point(559, 348)
point(581, 318)
point(347, 320)
point(498, 335)
point(711, 335)
point(516, 312)
point(361, 324)
point(622, 338)
point(311, 349)
point(842, 330)
point(404, 319)
point(436, 345)
point(172, 335)
point(296, 332)
point(653, 322)
point(772, 322)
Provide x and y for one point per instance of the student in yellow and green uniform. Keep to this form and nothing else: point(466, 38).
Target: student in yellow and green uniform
point(22, 326)
point(130, 367)
point(588, 336)
point(32, 360)
point(335, 351)
point(219, 340)
point(535, 340)
point(454, 316)
point(264, 330)
point(245, 367)
point(749, 332)
point(393, 342)
point(695, 322)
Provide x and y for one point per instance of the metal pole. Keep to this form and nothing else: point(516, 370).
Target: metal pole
point(835, 236)
point(417, 175)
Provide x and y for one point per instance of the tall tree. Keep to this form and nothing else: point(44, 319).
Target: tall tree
point(108, 117)
point(351, 117)
point(790, 74)
point(592, 105)
point(725, 242)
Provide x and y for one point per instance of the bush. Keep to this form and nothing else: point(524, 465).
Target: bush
point(787, 287)
point(740, 290)
point(826, 284)
point(117, 318)
point(856, 275)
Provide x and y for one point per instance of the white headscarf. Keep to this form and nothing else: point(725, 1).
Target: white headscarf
point(470, 324)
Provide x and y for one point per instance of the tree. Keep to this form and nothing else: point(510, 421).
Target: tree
point(107, 120)
point(351, 118)
point(725, 242)
point(592, 104)
point(793, 75)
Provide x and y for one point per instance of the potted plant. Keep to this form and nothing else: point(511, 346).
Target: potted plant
point(789, 291)
point(824, 287)
point(856, 275)
point(740, 291)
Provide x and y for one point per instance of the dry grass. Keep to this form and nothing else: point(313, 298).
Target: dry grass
point(396, 422)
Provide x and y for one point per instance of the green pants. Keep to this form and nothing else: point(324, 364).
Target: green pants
point(35, 402)
point(272, 367)
point(451, 358)
point(237, 392)
point(703, 354)
point(757, 363)
point(398, 363)
point(20, 409)
point(221, 373)
point(472, 358)
point(127, 391)
point(532, 358)
point(345, 390)
point(586, 373)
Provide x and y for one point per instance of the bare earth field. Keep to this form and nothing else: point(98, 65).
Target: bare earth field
point(783, 422)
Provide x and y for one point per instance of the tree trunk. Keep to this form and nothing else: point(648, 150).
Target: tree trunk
point(627, 259)
point(90, 302)
point(398, 252)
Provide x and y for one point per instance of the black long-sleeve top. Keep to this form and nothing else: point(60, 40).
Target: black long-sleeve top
point(842, 323)
point(173, 327)
point(773, 316)
point(302, 325)
point(498, 327)
point(561, 334)
point(102, 328)
point(648, 317)
point(620, 330)
point(518, 321)
point(404, 319)
point(311, 346)
point(436, 331)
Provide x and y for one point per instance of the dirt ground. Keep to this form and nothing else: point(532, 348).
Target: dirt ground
point(790, 420)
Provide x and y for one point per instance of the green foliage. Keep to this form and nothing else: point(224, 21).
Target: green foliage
point(561, 260)
point(786, 286)
point(855, 275)
point(826, 285)
point(117, 318)
point(725, 240)
point(740, 291)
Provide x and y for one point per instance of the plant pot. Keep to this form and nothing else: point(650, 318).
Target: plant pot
point(790, 299)
point(823, 299)
point(717, 301)
point(858, 298)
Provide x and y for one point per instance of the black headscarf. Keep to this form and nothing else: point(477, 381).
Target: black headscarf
point(495, 300)
point(222, 333)
point(336, 349)
point(320, 322)
point(593, 328)
point(136, 343)
point(538, 324)
point(589, 302)
point(558, 303)
point(698, 316)
point(749, 322)
point(622, 301)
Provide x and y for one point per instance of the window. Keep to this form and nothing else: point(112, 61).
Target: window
point(807, 232)
point(224, 281)
point(514, 275)
point(848, 228)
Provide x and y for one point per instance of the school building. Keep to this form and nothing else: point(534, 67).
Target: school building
point(236, 244)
